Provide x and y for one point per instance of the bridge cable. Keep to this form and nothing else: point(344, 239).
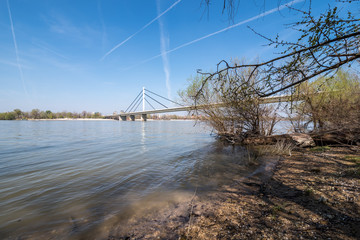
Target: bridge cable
point(132, 108)
point(156, 101)
point(134, 100)
point(164, 97)
point(137, 106)
point(131, 105)
point(137, 101)
point(149, 104)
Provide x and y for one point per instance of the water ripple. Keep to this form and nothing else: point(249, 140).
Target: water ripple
point(86, 171)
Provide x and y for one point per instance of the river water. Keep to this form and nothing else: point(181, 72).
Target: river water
point(60, 176)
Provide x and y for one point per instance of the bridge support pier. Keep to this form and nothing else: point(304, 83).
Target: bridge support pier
point(132, 117)
point(144, 117)
point(123, 118)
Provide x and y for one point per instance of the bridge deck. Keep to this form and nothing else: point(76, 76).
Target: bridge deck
point(275, 99)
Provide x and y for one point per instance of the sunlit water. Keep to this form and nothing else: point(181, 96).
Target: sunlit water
point(55, 174)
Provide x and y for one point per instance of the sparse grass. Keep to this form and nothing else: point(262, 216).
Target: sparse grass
point(252, 157)
point(280, 148)
point(275, 211)
point(309, 191)
point(355, 159)
point(277, 208)
point(320, 149)
point(353, 171)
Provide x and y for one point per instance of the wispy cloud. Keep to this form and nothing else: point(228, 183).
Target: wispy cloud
point(16, 49)
point(141, 29)
point(101, 19)
point(9, 63)
point(164, 43)
point(86, 35)
point(281, 7)
point(61, 25)
point(14, 64)
point(48, 49)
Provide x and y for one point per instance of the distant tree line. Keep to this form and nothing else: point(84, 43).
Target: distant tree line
point(17, 114)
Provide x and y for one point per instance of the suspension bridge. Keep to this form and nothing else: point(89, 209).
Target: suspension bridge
point(152, 98)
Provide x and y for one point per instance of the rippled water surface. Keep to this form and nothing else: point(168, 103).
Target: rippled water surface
point(58, 175)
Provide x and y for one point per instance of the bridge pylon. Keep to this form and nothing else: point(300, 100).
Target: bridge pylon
point(143, 99)
point(143, 96)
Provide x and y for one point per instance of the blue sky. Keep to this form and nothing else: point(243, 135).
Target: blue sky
point(67, 55)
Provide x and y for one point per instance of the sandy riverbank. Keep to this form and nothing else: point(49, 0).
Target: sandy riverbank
point(104, 119)
point(310, 195)
point(72, 119)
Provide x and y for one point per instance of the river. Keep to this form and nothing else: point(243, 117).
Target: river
point(58, 177)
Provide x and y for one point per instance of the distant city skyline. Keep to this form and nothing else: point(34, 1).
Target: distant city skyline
point(97, 55)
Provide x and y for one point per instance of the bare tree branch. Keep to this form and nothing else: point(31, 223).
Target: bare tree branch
point(326, 44)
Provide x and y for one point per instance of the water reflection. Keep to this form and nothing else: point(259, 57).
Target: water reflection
point(143, 146)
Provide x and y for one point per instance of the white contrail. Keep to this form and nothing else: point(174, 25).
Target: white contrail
point(101, 19)
point(164, 42)
point(141, 29)
point(223, 30)
point(16, 48)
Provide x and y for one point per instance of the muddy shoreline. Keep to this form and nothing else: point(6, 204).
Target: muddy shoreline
point(307, 195)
